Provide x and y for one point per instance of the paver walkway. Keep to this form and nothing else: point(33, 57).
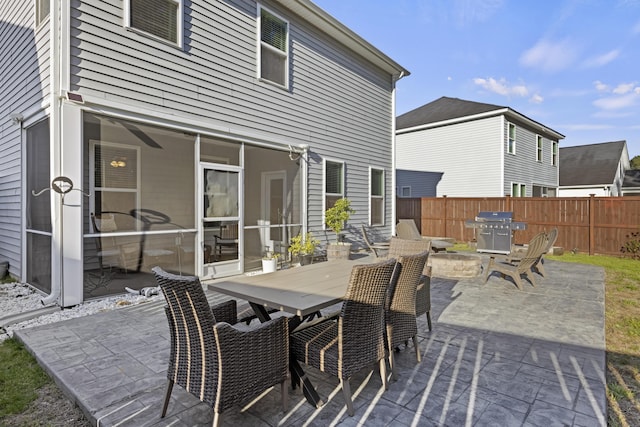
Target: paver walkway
point(496, 356)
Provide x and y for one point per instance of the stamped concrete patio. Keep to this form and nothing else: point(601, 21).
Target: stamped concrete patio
point(496, 356)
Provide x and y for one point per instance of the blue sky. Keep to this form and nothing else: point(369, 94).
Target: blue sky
point(573, 65)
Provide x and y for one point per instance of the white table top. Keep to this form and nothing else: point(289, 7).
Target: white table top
point(300, 290)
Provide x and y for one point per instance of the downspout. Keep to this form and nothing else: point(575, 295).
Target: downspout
point(394, 80)
point(305, 187)
point(55, 126)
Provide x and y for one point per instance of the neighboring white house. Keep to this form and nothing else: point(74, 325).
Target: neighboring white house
point(195, 136)
point(475, 150)
point(597, 169)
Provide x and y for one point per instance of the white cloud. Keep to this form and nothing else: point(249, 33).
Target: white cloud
point(616, 102)
point(601, 87)
point(550, 56)
point(501, 87)
point(604, 59)
point(536, 99)
point(623, 88)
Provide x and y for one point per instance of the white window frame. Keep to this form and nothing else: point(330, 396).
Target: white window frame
point(40, 6)
point(324, 184)
point(554, 153)
point(511, 142)
point(377, 197)
point(519, 188)
point(179, 23)
point(539, 147)
point(261, 44)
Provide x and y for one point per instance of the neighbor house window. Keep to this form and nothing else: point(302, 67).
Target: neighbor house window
point(511, 142)
point(160, 18)
point(554, 153)
point(274, 48)
point(538, 148)
point(405, 192)
point(42, 10)
point(333, 182)
point(376, 202)
point(518, 190)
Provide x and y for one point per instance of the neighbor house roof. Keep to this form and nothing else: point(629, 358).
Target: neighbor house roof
point(445, 111)
point(631, 178)
point(593, 164)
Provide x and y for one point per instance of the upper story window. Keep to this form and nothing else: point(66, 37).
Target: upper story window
point(538, 148)
point(333, 182)
point(42, 10)
point(511, 142)
point(274, 48)
point(376, 202)
point(554, 153)
point(159, 18)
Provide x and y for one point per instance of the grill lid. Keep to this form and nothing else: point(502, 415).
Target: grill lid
point(495, 216)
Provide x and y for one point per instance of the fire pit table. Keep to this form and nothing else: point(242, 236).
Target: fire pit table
point(455, 265)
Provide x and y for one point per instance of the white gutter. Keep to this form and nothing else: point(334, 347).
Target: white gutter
point(508, 112)
point(55, 130)
point(394, 80)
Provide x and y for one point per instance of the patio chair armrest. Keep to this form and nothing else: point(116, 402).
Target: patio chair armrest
point(225, 312)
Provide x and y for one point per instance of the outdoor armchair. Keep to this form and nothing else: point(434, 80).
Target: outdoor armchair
point(399, 247)
point(524, 266)
point(377, 248)
point(220, 364)
point(400, 307)
point(356, 339)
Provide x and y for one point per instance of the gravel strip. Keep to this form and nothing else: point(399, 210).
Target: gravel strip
point(18, 298)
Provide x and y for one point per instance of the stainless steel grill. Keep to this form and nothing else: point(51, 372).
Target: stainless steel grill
point(494, 231)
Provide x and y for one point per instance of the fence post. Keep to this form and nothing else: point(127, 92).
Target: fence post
point(444, 219)
point(592, 226)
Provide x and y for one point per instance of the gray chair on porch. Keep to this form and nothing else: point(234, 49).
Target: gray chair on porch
point(377, 248)
point(523, 267)
point(218, 363)
point(355, 340)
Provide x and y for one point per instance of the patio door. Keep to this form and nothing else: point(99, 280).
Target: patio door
point(221, 228)
point(273, 210)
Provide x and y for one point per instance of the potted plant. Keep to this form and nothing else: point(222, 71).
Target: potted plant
point(303, 247)
point(270, 261)
point(335, 217)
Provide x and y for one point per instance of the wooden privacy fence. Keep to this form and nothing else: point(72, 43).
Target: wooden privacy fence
point(596, 225)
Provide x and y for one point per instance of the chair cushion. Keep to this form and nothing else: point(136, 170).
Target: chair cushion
point(317, 346)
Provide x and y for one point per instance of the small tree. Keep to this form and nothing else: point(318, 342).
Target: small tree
point(336, 216)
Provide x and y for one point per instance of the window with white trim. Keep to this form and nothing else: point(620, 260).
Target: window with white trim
point(511, 140)
point(376, 194)
point(159, 18)
point(518, 190)
point(333, 182)
point(538, 148)
point(274, 48)
point(42, 10)
point(554, 153)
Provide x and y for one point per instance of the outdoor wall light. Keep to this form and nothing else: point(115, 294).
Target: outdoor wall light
point(119, 162)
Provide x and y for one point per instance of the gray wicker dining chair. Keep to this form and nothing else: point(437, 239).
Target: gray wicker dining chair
point(400, 306)
point(218, 363)
point(399, 247)
point(356, 339)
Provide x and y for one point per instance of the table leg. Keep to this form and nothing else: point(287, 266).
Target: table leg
point(261, 312)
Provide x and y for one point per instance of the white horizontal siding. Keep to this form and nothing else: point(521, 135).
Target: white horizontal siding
point(468, 155)
point(24, 85)
point(338, 103)
point(522, 167)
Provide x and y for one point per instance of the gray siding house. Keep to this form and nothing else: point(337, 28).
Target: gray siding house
point(597, 169)
point(197, 137)
point(479, 150)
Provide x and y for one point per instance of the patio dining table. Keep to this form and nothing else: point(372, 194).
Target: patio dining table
point(301, 291)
